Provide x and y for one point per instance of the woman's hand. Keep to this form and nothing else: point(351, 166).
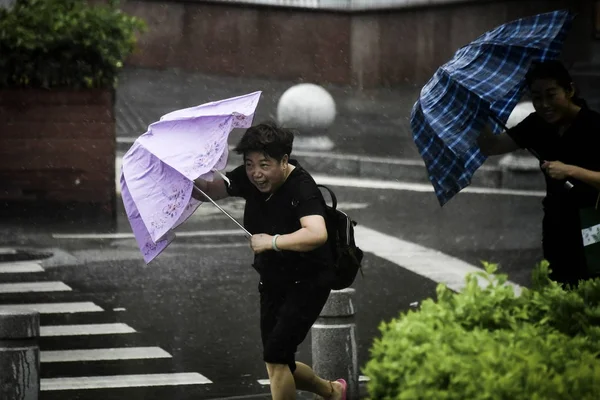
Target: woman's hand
point(202, 185)
point(261, 242)
point(557, 169)
point(312, 235)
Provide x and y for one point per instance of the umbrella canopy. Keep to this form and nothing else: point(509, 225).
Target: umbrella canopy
point(159, 169)
point(481, 84)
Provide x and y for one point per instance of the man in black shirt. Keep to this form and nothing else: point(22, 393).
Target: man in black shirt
point(566, 134)
point(285, 213)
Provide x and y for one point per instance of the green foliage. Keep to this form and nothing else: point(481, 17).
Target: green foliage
point(489, 343)
point(64, 43)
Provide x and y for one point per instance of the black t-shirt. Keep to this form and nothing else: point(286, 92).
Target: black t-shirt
point(297, 197)
point(579, 145)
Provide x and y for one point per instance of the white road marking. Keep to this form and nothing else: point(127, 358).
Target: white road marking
point(92, 235)
point(54, 308)
point(223, 232)
point(235, 207)
point(118, 167)
point(20, 267)
point(211, 246)
point(337, 326)
point(124, 353)
point(7, 250)
point(432, 264)
point(265, 382)
point(415, 187)
point(123, 381)
point(351, 206)
point(85, 329)
point(25, 287)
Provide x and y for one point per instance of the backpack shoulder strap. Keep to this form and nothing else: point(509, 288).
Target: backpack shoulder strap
point(333, 198)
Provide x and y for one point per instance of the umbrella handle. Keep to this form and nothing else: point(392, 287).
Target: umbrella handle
point(248, 234)
point(567, 185)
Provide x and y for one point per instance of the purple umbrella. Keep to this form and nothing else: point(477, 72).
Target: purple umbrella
point(158, 172)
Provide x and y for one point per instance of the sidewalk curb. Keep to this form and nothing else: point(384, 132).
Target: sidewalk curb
point(407, 170)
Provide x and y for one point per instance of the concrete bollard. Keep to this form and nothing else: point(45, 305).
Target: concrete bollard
point(19, 355)
point(334, 351)
point(311, 110)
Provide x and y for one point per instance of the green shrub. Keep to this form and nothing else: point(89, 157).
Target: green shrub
point(488, 343)
point(64, 43)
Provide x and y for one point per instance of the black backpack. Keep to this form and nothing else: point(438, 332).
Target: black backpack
point(346, 255)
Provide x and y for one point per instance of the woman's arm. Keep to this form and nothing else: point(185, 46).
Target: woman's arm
point(312, 235)
point(493, 145)
point(590, 177)
point(559, 170)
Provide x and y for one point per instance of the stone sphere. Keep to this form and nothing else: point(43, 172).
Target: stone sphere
point(519, 113)
point(306, 107)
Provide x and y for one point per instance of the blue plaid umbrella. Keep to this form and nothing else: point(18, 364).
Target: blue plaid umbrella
point(481, 84)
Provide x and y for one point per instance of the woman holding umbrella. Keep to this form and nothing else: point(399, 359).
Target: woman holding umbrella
point(285, 213)
point(566, 135)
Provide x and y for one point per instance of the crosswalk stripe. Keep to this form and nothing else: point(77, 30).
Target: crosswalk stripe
point(85, 329)
point(123, 381)
point(54, 308)
point(24, 287)
point(123, 353)
point(20, 267)
point(361, 378)
point(427, 262)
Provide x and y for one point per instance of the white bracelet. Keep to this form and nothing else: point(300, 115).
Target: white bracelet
point(274, 243)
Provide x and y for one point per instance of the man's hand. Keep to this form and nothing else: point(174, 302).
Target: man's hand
point(557, 169)
point(261, 242)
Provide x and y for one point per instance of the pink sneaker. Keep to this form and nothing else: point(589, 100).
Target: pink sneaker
point(345, 388)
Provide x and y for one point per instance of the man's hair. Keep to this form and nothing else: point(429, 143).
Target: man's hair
point(267, 138)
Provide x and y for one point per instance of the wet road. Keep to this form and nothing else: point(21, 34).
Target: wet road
point(193, 314)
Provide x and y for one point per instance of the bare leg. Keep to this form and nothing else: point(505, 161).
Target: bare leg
point(307, 380)
point(282, 382)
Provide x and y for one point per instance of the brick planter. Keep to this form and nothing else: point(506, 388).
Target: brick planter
point(57, 151)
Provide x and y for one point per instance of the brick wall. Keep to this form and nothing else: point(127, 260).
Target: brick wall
point(366, 49)
point(57, 147)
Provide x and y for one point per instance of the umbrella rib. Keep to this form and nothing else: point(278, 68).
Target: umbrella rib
point(248, 234)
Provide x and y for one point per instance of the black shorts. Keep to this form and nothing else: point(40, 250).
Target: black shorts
point(287, 312)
